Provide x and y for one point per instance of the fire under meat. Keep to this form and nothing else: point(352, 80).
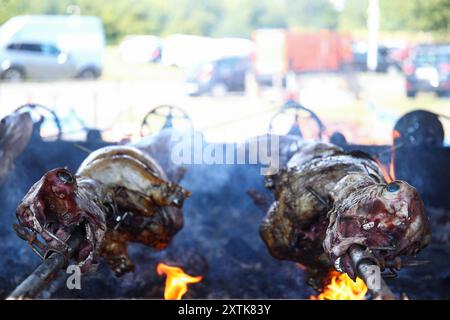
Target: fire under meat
point(341, 287)
point(176, 281)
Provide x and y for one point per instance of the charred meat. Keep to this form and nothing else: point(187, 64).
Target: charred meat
point(55, 206)
point(119, 194)
point(328, 200)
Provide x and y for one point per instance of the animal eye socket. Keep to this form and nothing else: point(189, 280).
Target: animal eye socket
point(65, 177)
point(392, 187)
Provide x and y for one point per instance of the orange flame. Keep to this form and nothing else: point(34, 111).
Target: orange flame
point(341, 287)
point(392, 166)
point(389, 172)
point(385, 171)
point(395, 135)
point(176, 281)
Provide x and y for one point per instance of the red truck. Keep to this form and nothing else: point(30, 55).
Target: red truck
point(281, 51)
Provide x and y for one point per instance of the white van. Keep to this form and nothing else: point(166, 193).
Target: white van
point(186, 51)
point(51, 46)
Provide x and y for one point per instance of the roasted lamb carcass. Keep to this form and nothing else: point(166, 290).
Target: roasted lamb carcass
point(328, 200)
point(145, 207)
point(56, 205)
point(119, 194)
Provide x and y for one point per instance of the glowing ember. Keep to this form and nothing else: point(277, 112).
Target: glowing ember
point(176, 281)
point(341, 287)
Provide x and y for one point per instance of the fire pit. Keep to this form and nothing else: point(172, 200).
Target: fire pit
point(220, 241)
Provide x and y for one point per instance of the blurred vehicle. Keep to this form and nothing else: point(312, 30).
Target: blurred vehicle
point(385, 61)
point(428, 70)
point(234, 47)
point(51, 46)
point(187, 51)
point(282, 51)
point(400, 55)
point(20, 60)
point(279, 52)
point(140, 49)
point(217, 77)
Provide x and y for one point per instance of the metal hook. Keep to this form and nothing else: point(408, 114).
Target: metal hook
point(31, 238)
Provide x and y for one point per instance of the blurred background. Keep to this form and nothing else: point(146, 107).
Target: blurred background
point(228, 65)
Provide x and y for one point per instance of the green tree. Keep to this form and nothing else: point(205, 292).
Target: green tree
point(199, 17)
point(239, 17)
point(318, 14)
point(354, 15)
point(399, 14)
point(434, 15)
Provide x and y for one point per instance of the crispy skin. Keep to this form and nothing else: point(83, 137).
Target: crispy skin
point(57, 206)
point(160, 146)
point(137, 186)
point(119, 194)
point(327, 200)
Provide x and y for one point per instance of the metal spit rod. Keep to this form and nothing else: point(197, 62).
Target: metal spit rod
point(364, 267)
point(48, 269)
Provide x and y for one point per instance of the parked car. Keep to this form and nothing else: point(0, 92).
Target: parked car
point(47, 47)
point(20, 60)
point(217, 77)
point(140, 49)
point(385, 60)
point(428, 70)
point(186, 51)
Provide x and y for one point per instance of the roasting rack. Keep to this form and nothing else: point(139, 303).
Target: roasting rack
point(296, 109)
point(166, 113)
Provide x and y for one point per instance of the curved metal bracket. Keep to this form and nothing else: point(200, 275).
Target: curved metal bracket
point(38, 108)
point(296, 127)
point(167, 112)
